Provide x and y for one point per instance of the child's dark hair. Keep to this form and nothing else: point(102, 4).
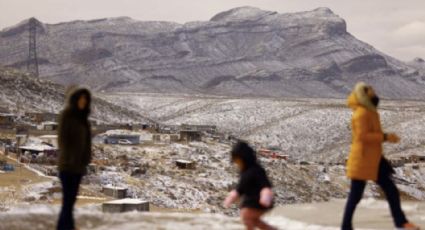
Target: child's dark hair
point(246, 153)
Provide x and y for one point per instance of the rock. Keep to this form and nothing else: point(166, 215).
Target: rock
point(30, 199)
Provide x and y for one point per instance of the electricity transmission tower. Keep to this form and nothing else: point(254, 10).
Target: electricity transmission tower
point(32, 62)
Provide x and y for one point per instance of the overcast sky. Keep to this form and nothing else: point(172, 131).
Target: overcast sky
point(396, 27)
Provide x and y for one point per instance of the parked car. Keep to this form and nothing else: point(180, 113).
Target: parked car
point(124, 142)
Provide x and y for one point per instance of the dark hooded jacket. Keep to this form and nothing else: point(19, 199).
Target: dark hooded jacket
point(253, 177)
point(74, 136)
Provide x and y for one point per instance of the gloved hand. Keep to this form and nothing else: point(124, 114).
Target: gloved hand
point(231, 198)
point(393, 138)
point(266, 197)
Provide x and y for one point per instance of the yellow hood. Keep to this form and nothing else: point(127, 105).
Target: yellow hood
point(359, 97)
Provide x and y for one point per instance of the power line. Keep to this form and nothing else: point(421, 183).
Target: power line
point(32, 62)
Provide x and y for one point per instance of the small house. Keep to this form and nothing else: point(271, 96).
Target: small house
point(397, 161)
point(174, 138)
point(24, 129)
point(42, 117)
point(200, 128)
point(156, 137)
point(168, 129)
point(190, 135)
point(7, 120)
point(104, 128)
point(46, 150)
point(48, 126)
point(116, 192)
point(184, 164)
point(41, 154)
point(125, 205)
point(417, 158)
point(142, 126)
point(51, 140)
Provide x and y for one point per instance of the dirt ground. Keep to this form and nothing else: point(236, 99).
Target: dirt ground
point(21, 176)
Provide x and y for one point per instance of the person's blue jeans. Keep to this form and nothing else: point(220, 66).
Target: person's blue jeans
point(390, 190)
point(70, 185)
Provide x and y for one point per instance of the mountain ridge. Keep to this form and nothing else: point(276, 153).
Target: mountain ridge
point(244, 51)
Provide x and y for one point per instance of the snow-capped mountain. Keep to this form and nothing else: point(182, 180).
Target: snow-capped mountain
point(240, 52)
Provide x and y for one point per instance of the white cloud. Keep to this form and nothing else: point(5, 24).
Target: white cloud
point(411, 33)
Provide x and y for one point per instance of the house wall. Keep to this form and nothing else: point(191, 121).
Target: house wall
point(114, 192)
point(190, 136)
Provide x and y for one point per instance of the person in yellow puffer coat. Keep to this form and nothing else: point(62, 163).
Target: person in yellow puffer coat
point(366, 161)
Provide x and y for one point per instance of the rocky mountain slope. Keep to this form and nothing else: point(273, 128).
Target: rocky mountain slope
point(240, 52)
point(418, 63)
point(21, 93)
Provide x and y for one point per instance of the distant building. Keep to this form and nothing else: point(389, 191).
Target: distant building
point(51, 140)
point(48, 126)
point(417, 158)
point(168, 129)
point(397, 162)
point(143, 126)
point(4, 110)
point(42, 117)
point(190, 135)
point(40, 154)
point(174, 138)
point(38, 149)
point(199, 128)
point(125, 205)
point(7, 120)
point(116, 192)
point(184, 164)
point(102, 128)
point(24, 129)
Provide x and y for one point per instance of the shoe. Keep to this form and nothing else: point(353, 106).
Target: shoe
point(409, 226)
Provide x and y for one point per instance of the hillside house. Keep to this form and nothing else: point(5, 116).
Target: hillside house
point(190, 135)
point(51, 140)
point(7, 120)
point(42, 117)
point(199, 128)
point(48, 126)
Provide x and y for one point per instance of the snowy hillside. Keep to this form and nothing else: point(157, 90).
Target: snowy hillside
point(316, 129)
point(20, 93)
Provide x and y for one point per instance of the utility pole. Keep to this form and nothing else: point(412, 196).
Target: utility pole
point(32, 62)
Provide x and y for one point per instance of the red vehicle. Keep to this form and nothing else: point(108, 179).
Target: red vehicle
point(271, 153)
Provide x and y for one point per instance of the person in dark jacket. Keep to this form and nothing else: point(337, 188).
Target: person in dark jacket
point(74, 140)
point(254, 188)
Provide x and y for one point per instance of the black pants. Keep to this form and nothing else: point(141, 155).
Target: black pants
point(390, 190)
point(70, 185)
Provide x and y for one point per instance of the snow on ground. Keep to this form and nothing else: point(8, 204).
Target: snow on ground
point(204, 188)
point(315, 129)
point(41, 217)
point(371, 214)
point(307, 129)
